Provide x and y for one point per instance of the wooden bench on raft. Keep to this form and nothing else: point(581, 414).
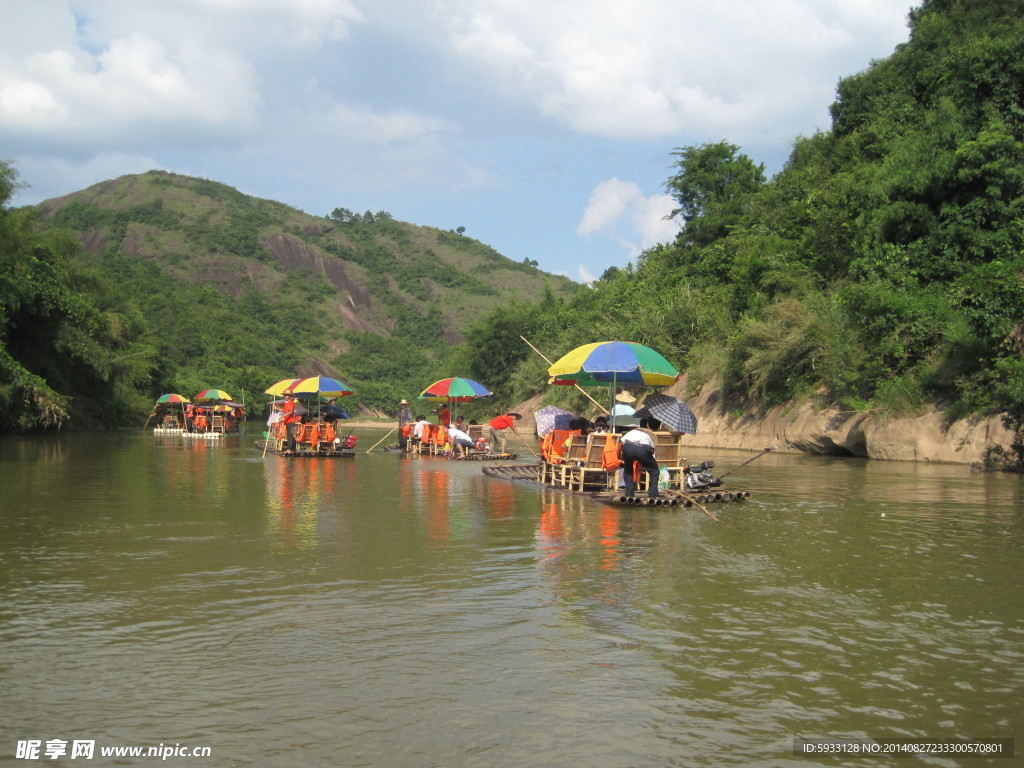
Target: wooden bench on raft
point(554, 450)
point(668, 452)
point(591, 473)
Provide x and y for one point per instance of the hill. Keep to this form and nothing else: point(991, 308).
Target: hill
point(237, 292)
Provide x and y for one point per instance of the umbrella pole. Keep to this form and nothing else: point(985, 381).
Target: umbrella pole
point(581, 389)
point(611, 399)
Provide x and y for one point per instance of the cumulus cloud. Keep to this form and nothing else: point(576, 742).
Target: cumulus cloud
point(492, 106)
point(651, 69)
point(135, 90)
point(617, 206)
point(584, 275)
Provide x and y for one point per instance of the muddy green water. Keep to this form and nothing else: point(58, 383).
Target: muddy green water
point(392, 611)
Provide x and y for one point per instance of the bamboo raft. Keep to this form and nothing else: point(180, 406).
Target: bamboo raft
point(475, 456)
point(669, 497)
point(342, 453)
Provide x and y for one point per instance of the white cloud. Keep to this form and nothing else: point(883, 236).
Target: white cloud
point(481, 111)
point(607, 205)
point(620, 208)
point(585, 276)
point(652, 69)
point(134, 91)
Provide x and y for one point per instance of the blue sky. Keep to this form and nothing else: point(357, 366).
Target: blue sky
point(544, 127)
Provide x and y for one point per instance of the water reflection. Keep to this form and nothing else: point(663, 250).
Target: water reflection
point(302, 496)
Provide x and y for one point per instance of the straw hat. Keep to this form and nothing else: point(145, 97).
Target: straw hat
point(403, 401)
point(625, 397)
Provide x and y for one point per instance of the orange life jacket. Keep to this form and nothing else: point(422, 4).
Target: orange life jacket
point(610, 457)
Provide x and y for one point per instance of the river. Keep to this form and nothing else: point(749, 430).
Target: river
point(400, 611)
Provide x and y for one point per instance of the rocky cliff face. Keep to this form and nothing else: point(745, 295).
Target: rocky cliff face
point(806, 429)
point(803, 428)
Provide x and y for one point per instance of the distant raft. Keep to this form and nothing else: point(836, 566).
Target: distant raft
point(306, 454)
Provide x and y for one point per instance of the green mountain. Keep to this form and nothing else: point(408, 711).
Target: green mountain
point(204, 286)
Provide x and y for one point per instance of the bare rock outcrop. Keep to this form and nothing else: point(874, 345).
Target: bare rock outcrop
point(806, 428)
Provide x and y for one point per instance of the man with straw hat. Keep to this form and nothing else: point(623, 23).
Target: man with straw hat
point(404, 423)
point(622, 412)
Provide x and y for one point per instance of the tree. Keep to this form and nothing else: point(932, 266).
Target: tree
point(713, 187)
point(64, 332)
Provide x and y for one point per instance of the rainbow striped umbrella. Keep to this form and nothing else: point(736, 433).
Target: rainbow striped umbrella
point(281, 387)
point(212, 394)
point(613, 362)
point(320, 385)
point(455, 390)
point(171, 397)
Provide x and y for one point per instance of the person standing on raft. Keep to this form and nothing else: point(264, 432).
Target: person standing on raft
point(404, 424)
point(498, 425)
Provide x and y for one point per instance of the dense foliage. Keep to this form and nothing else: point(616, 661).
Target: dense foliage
point(882, 267)
point(67, 338)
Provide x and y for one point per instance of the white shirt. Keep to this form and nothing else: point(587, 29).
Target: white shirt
point(417, 430)
point(638, 436)
point(458, 434)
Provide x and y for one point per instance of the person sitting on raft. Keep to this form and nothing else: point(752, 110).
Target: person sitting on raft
point(461, 441)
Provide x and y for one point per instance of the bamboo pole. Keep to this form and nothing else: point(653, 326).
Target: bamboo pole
point(704, 509)
point(581, 389)
point(527, 445)
point(762, 453)
point(381, 440)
